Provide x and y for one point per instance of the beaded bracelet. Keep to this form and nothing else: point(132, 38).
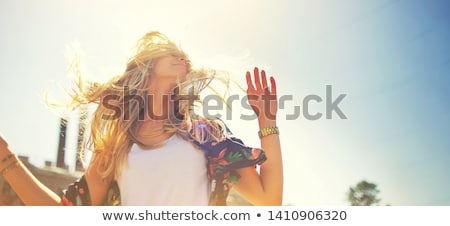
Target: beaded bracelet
point(6, 158)
point(10, 167)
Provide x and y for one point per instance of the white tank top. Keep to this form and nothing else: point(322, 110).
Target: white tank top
point(171, 175)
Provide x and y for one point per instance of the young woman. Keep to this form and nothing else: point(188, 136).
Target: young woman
point(151, 148)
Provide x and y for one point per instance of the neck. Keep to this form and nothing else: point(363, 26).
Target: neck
point(160, 87)
point(160, 90)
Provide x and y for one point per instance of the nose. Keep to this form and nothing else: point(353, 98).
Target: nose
point(179, 59)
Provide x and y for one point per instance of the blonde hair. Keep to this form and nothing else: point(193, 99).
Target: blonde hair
point(112, 137)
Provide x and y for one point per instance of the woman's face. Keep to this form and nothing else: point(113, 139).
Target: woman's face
point(171, 66)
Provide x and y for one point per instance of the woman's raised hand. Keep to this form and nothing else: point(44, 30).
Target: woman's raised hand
point(262, 98)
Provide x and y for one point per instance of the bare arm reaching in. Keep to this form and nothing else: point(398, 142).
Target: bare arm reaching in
point(265, 188)
point(31, 191)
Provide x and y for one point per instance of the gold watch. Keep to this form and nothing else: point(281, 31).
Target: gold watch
point(268, 131)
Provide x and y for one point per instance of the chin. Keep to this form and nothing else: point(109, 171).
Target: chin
point(180, 74)
point(174, 73)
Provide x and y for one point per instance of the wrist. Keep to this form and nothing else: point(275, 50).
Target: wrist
point(264, 123)
point(8, 163)
point(5, 159)
point(5, 152)
point(268, 131)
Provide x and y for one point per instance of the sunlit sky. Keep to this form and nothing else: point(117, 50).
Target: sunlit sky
point(391, 59)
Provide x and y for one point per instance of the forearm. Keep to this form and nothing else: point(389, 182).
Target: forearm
point(271, 171)
point(29, 189)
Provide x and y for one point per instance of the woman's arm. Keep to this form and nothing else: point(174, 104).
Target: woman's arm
point(32, 192)
point(29, 189)
point(265, 188)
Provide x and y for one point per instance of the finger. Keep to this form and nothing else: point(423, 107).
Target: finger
point(249, 82)
point(273, 85)
point(264, 79)
point(257, 80)
point(264, 82)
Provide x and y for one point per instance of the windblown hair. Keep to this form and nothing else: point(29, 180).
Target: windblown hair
point(111, 137)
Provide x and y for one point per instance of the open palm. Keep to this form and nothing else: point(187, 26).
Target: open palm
point(261, 97)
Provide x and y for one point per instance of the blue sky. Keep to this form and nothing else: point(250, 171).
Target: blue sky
point(390, 58)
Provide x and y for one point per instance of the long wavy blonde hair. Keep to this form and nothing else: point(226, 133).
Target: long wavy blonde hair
point(111, 138)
